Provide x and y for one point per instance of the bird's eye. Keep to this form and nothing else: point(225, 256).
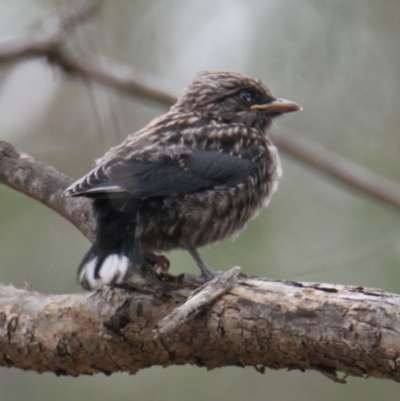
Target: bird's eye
point(247, 97)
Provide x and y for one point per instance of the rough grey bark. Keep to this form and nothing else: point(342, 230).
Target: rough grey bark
point(44, 184)
point(257, 323)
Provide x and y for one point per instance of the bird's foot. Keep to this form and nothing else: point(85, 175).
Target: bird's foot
point(158, 261)
point(206, 273)
point(198, 280)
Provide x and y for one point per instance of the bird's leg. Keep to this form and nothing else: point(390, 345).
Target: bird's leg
point(206, 272)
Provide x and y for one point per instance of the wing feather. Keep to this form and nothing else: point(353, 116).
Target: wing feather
point(187, 172)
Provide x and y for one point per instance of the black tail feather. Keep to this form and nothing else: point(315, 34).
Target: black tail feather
point(116, 252)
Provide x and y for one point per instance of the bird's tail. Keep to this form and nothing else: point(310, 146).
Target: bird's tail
point(116, 252)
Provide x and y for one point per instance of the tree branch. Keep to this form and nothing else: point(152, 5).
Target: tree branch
point(45, 184)
point(49, 43)
point(51, 36)
point(257, 323)
point(341, 169)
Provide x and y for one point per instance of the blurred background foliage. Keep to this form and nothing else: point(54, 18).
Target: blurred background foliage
point(339, 60)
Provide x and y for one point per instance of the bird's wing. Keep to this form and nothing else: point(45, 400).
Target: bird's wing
point(175, 173)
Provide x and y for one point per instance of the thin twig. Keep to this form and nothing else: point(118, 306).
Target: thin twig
point(52, 35)
point(118, 76)
point(203, 296)
point(340, 168)
point(49, 41)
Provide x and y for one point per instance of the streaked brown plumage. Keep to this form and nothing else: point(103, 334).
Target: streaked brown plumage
point(191, 177)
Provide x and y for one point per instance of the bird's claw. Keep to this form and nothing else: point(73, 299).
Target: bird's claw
point(158, 261)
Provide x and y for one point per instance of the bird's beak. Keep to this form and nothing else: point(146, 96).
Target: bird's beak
point(277, 106)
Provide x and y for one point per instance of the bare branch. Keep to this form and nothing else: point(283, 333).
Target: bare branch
point(45, 184)
point(48, 43)
point(50, 37)
point(257, 323)
point(340, 168)
point(121, 77)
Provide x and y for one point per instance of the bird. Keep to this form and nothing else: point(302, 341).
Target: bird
point(191, 177)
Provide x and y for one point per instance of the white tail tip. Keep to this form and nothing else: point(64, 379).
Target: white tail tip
point(113, 270)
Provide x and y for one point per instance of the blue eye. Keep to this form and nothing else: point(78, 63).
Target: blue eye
point(247, 96)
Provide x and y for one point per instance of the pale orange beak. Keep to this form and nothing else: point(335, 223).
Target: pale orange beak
point(278, 106)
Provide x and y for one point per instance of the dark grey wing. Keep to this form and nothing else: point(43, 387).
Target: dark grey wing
point(189, 172)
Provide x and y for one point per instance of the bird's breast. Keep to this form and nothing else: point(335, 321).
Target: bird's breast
point(210, 215)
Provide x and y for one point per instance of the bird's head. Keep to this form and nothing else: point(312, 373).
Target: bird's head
point(232, 98)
